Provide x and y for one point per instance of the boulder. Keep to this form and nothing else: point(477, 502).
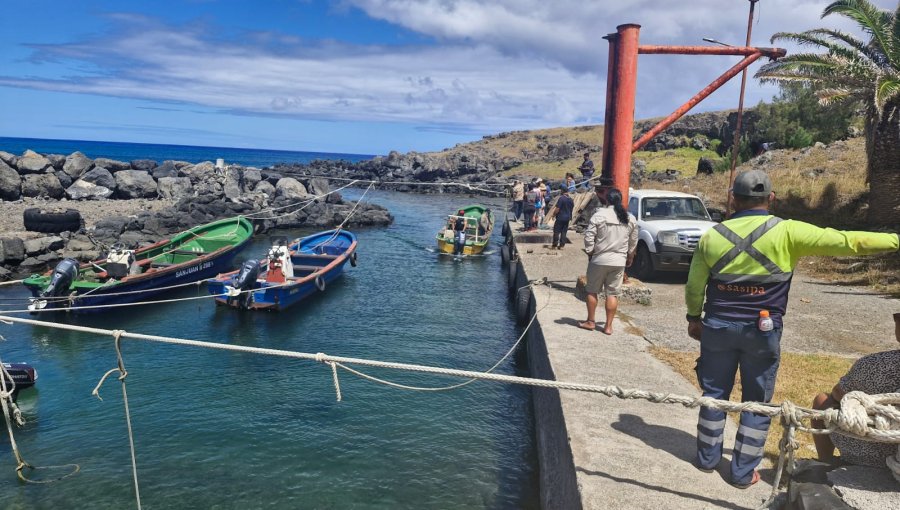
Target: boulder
point(10, 183)
point(32, 163)
point(112, 165)
point(208, 187)
point(174, 188)
point(265, 187)
point(9, 159)
point(135, 184)
point(235, 183)
point(288, 187)
point(167, 169)
point(43, 244)
point(101, 177)
point(318, 186)
point(199, 172)
point(56, 161)
point(143, 164)
point(42, 185)
point(705, 166)
point(251, 177)
point(84, 190)
point(272, 177)
point(64, 180)
point(12, 250)
point(77, 164)
point(111, 226)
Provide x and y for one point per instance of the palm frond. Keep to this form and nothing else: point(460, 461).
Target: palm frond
point(828, 97)
point(872, 53)
point(895, 54)
point(872, 20)
point(810, 38)
point(887, 88)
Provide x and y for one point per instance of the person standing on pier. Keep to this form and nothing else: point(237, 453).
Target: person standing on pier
point(740, 277)
point(563, 210)
point(587, 170)
point(609, 241)
point(518, 194)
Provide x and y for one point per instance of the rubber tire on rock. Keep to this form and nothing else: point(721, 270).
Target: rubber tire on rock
point(523, 303)
point(353, 259)
point(49, 222)
point(320, 283)
point(642, 268)
point(504, 254)
point(512, 272)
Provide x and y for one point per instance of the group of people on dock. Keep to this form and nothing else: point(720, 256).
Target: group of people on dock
point(736, 296)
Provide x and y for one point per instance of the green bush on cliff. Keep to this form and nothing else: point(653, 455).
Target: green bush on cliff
point(796, 119)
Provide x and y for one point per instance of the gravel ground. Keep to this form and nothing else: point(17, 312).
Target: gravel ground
point(821, 318)
point(91, 211)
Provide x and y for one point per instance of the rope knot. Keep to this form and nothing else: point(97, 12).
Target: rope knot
point(790, 414)
point(320, 357)
point(853, 415)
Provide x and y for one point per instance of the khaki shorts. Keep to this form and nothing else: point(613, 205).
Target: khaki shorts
point(605, 279)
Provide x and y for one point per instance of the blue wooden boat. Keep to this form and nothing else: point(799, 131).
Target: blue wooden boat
point(288, 274)
point(129, 276)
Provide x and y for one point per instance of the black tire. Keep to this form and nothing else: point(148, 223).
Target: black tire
point(320, 283)
point(642, 268)
point(512, 272)
point(353, 259)
point(505, 229)
point(504, 254)
point(523, 304)
point(51, 222)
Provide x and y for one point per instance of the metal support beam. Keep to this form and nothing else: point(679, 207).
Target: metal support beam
point(710, 50)
point(605, 168)
point(624, 91)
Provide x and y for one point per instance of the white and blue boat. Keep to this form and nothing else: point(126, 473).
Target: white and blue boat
point(288, 274)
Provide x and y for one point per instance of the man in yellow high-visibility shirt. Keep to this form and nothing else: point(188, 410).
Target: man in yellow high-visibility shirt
point(741, 267)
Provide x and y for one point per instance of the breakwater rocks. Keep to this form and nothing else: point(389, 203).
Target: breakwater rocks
point(194, 194)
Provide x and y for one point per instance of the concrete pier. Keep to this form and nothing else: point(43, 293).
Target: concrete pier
point(597, 452)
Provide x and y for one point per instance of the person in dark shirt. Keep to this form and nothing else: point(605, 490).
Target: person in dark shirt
point(563, 209)
point(531, 199)
point(459, 232)
point(587, 170)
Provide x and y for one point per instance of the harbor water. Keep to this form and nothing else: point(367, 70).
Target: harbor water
point(216, 429)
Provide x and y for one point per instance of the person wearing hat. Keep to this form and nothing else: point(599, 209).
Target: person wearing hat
point(740, 277)
point(563, 215)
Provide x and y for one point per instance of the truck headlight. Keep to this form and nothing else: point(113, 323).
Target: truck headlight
point(668, 238)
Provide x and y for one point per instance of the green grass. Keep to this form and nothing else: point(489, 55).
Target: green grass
point(684, 159)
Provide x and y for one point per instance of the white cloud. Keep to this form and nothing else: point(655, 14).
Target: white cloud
point(498, 65)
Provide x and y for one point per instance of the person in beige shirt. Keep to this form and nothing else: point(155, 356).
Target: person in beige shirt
point(518, 195)
point(609, 241)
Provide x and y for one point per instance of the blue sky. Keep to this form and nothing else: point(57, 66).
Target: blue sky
point(353, 76)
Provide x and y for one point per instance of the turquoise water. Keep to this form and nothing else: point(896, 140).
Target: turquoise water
point(227, 430)
point(158, 152)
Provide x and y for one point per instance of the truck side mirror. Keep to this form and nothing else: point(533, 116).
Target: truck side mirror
point(716, 215)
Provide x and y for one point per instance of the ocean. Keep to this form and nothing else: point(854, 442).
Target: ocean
point(259, 158)
point(223, 430)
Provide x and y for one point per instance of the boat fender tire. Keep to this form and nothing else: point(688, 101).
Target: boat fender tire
point(320, 283)
point(353, 259)
point(504, 254)
point(505, 229)
point(51, 222)
point(523, 303)
point(512, 272)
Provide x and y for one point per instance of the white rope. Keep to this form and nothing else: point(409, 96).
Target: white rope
point(474, 186)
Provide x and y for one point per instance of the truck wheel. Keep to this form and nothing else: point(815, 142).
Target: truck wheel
point(51, 221)
point(642, 268)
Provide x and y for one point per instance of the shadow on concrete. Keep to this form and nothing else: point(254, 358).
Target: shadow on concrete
point(568, 321)
point(717, 503)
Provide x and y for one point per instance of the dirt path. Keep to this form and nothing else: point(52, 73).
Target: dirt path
point(821, 318)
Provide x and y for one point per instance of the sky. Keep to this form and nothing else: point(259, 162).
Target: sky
point(356, 76)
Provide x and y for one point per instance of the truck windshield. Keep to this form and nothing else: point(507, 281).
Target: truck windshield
point(669, 208)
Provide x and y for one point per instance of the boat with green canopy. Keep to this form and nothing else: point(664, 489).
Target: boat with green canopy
point(467, 232)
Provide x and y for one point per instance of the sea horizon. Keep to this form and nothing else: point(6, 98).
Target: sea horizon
point(129, 151)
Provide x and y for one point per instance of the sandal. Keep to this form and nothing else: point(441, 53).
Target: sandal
point(753, 480)
point(588, 325)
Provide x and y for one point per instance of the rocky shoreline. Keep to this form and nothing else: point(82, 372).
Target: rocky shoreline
point(142, 201)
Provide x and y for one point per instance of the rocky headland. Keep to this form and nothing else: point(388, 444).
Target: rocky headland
point(143, 201)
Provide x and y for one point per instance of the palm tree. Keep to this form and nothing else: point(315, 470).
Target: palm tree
point(854, 70)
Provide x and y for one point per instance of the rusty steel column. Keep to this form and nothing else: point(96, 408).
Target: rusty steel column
point(736, 144)
point(623, 108)
point(605, 167)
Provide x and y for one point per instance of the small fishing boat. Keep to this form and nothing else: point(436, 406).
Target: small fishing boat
point(479, 226)
point(288, 274)
point(22, 374)
point(128, 276)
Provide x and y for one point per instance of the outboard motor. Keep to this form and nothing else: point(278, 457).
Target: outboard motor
point(63, 275)
point(23, 375)
point(244, 281)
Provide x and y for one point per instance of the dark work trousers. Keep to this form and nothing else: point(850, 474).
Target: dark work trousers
point(725, 347)
point(559, 232)
point(517, 208)
point(529, 217)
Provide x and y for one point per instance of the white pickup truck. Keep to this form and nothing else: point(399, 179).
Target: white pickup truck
point(671, 224)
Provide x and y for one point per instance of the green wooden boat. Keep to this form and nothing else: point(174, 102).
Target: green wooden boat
point(479, 226)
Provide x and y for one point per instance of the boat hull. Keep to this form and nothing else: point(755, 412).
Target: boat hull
point(477, 238)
